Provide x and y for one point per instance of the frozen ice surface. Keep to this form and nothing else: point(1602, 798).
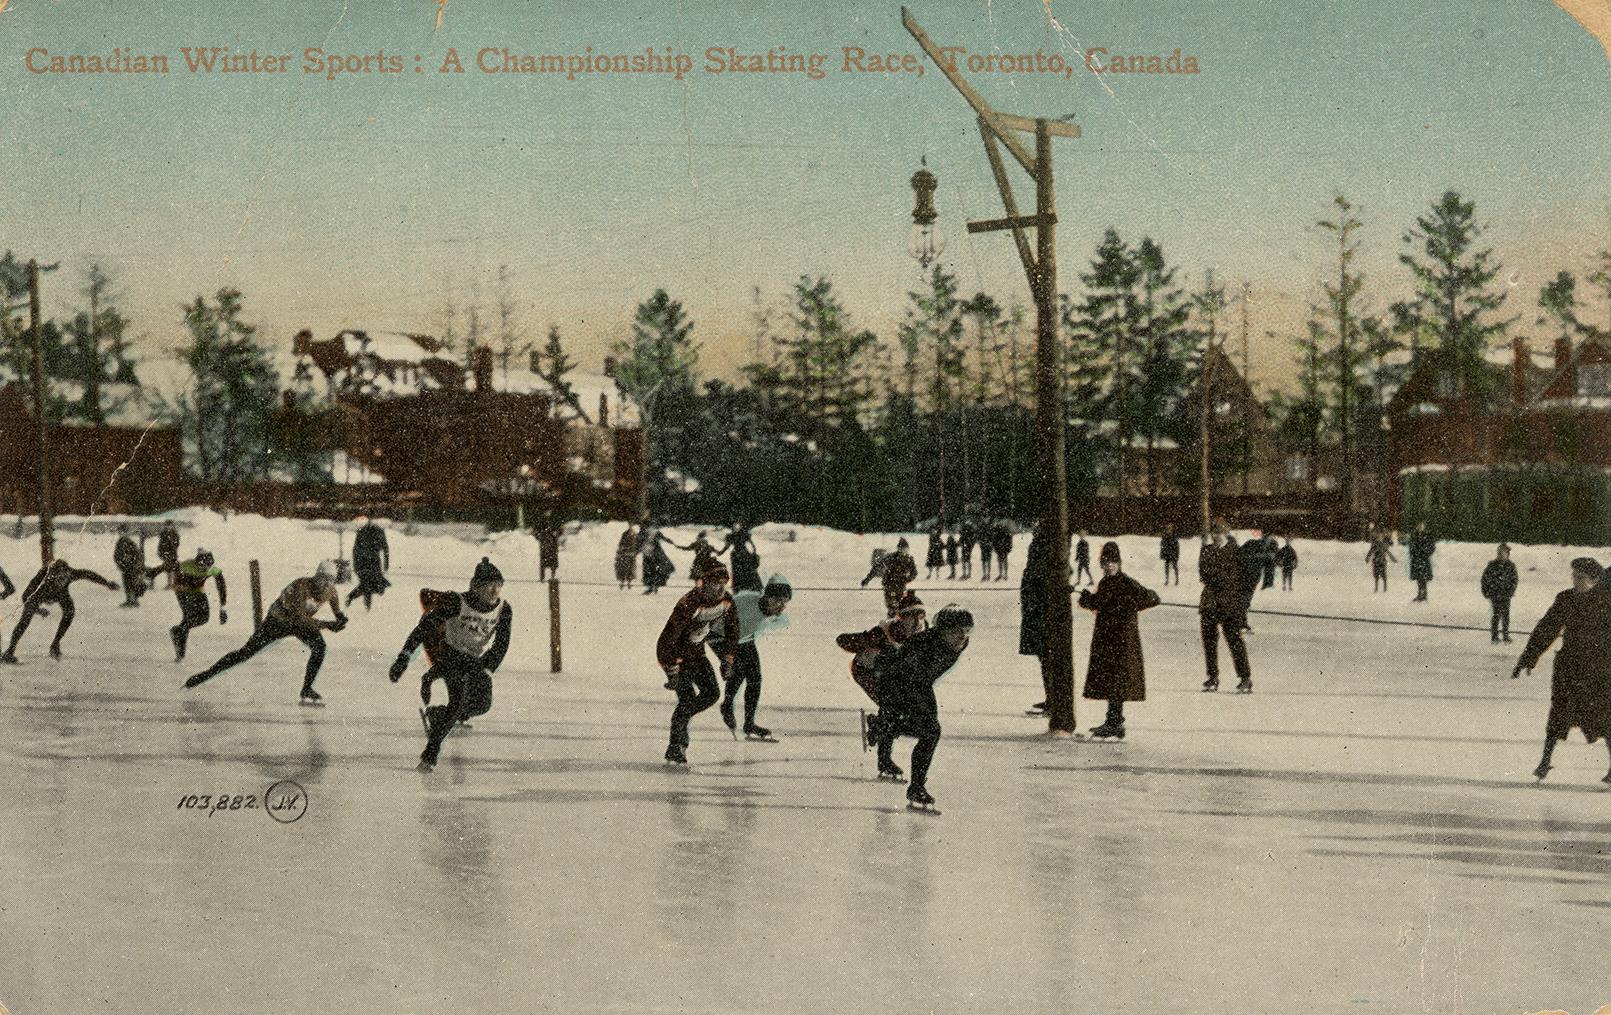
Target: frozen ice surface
point(1361, 834)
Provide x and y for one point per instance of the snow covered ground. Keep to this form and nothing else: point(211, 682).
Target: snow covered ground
point(1361, 834)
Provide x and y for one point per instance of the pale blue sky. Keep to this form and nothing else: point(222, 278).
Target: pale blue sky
point(352, 203)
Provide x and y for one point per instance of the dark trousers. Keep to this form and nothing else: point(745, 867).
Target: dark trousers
point(469, 695)
point(371, 583)
point(1499, 623)
point(1378, 574)
point(65, 601)
point(1083, 568)
point(745, 673)
point(1213, 625)
point(1269, 576)
point(892, 598)
point(1286, 579)
point(193, 612)
point(1420, 595)
point(133, 585)
point(271, 631)
point(896, 721)
point(1171, 567)
point(695, 684)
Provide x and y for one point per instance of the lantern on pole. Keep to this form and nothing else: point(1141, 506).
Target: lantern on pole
point(925, 243)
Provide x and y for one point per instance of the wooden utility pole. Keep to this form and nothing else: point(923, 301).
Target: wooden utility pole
point(1246, 463)
point(1040, 265)
point(1211, 302)
point(47, 535)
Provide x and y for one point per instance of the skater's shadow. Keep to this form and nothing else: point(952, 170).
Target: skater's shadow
point(1298, 776)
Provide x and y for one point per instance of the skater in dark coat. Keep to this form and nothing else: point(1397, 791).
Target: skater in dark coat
point(1287, 559)
point(680, 652)
point(1422, 547)
point(1252, 556)
point(1001, 538)
point(1268, 559)
point(1116, 673)
point(746, 560)
point(1222, 608)
point(936, 555)
point(291, 616)
point(371, 559)
point(966, 537)
point(1032, 604)
point(906, 703)
point(1498, 587)
point(1169, 553)
point(875, 644)
point(1082, 562)
point(657, 566)
point(896, 570)
point(129, 559)
point(51, 585)
point(190, 589)
point(987, 548)
point(1580, 687)
point(626, 558)
point(168, 552)
point(951, 556)
point(704, 555)
point(548, 540)
point(466, 636)
point(1378, 555)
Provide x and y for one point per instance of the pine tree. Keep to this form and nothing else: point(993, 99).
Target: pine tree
point(1209, 303)
point(1106, 351)
point(654, 367)
point(1600, 277)
point(555, 365)
point(1165, 342)
point(229, 413)
point(1345, 353)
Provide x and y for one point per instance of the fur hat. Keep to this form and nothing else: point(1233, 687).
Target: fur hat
point(778, 587)
point(1110, 551)
point(953, 616)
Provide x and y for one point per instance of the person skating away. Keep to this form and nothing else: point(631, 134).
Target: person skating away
point(1001, 538)
point(966, 537)
point(936, 553)
point(1498, 584)
point(1286, 558)
point(1115, 673)
point(1222, 608)
point(129, 559)
point(51, 584)
point(951, 555)
point(1269, 555)
point(168, 553)
point(1580, 682)
point(758, 613)
point(190, 589)
point(680, 651)
point(744, 558)
point(987, 548)
point(905, 694)
point(1252, 554)
point(1378, 555)
point(466, 635)
point(869, 647)
point(371, 559)
point(704, 556)
point(1082, 562)
point(1032, 606)
point(548, 539)
point(896, 570)
point(1169, 553)
point(1422, 547)
point(291, 616)
point(626, 558)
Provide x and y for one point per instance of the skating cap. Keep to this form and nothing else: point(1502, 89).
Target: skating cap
point(1588, 567)
point(1110, 551)
point(951, 615)
point(326, 570)
point(361, 520)
point(910, 604)
point(778, 587)
point(486, 571)
point(204, 557)
point(902, 544)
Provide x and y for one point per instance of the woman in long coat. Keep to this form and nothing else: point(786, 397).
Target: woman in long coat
point(1580, 688)
point(626, 558)
point(1032, 605)
point(1115, 673)
point(1422, 547)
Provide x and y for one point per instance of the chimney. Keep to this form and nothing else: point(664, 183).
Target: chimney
point(1563, 363)
point(1518, 372)
point(604, 409)
point(483, 369)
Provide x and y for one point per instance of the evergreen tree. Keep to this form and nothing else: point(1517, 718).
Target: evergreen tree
point(1106, 352)
point(1557, 305)
point(554, 365)
point(1345, 354)
point(1600, 278)
point(228, 413)
point(100, 351)
point(1165, 341)
point(654, 367)
point(1454, 303)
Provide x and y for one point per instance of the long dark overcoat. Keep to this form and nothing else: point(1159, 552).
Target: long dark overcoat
point(1422, 547)
point(1116, 670)
point(1032, 597)
point(1580, 690)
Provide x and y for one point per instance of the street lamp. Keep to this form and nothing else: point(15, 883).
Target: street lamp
point(925, 242)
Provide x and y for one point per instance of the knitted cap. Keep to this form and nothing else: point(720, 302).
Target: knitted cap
point(953, 616)
point(486, 571)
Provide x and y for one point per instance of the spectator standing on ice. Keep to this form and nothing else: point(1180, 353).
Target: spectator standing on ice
point(1498, 585)
point(966, 538)
point(897, 570)
point(704, 555)
point(657, 566)
point(129, 559)
point(292, 616)
point(51, 585)
point(1580, 684)
point(1169, 553)
point(680, 651)
point(190, 589)
point(1115, 673)
point(1032, 606)
point(548, 540)
point(1222, 608)
point(626, 558)
point(1287, 559)
point(935, 558)
point(1001, 537)
point(1422, 547)
point(746, 560)
point(987, 547)
point(1378, 555)
point(1082, 562)
point(371, 559)
point(951, 556)
point(466, 635)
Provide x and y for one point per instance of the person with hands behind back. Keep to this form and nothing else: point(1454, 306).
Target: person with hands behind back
point(680, 651)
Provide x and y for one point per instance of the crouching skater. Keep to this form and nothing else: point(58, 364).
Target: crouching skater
point(905, 696)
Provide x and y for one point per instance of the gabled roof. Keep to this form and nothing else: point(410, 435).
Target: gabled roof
point(1565, 384)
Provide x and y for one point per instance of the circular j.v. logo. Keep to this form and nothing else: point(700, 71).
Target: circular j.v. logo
point(285, 801)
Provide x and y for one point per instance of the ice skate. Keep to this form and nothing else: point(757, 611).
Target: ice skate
point(1037, 709)
point(1543, 769)
point(754, 732)
point(310, 697)
point(9, 658)
point(1211, 684)
point(425, 766)
point(732, 723)
point(866, 737)
point(1107, 731)
point(55, 651)
point(891, 771)
point(919, 799)
point(675, 755)
point(1245, 687)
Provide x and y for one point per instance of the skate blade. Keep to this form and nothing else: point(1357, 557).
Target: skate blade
point(310, 704)
point(928, 809)
point(865, 746)
point(1037, 713)
point(886, 777)
point(768, 739)
point(1085, 738)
